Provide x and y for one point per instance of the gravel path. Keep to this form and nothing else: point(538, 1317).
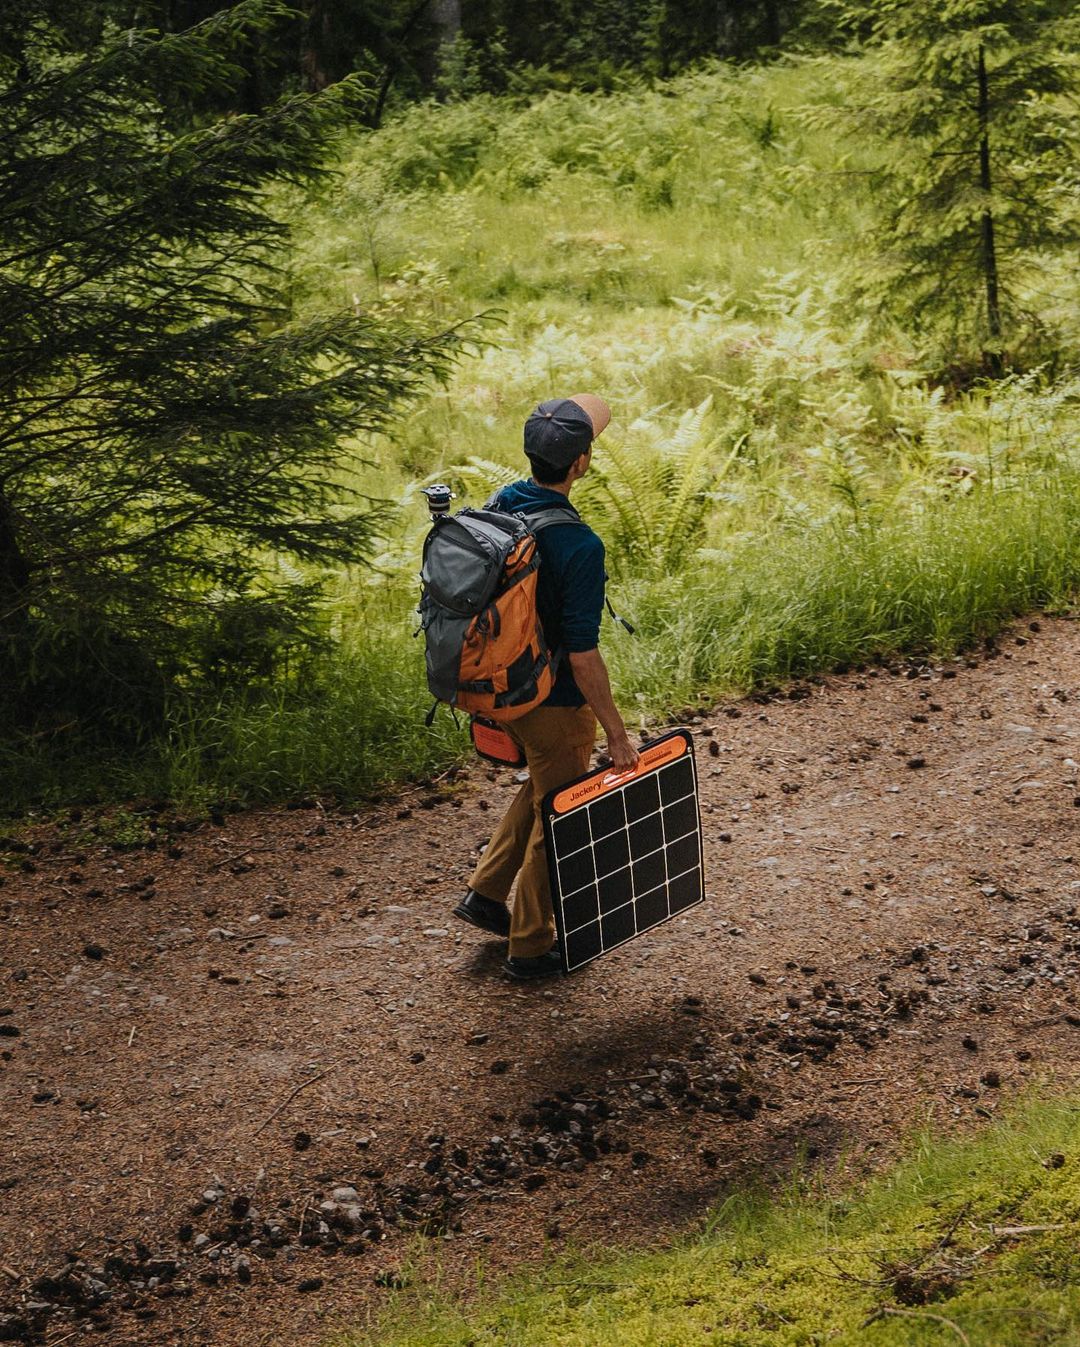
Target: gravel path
point(242, 1068)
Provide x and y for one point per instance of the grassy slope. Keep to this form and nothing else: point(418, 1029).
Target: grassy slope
point(778, 494)
point(810, 1267)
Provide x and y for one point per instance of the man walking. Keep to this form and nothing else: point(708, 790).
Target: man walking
point(557, 736)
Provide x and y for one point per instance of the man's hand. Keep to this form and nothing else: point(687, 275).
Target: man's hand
point(624, 756)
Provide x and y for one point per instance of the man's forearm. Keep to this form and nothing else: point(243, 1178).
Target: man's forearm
point(591, 676)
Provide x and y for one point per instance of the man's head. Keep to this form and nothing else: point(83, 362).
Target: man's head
point(559, 436)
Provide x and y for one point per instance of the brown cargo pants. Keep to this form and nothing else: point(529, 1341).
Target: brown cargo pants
point(557, 742)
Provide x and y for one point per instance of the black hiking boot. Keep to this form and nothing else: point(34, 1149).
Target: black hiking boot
point(483, 912)
point(542, 966)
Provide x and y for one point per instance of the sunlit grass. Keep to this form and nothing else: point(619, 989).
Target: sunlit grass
point(772, 608)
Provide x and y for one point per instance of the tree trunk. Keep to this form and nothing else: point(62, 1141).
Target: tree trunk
point(774, 33)
point(726, 28)
point(313, 53)
point(442, 24)
point(993, 358)
point(446, 19)
point(399, 47)
point(14, 576)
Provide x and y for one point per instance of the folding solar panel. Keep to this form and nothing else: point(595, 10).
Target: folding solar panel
point(624, 851)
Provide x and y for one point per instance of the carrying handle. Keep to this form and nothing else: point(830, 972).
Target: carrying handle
point(613, 778)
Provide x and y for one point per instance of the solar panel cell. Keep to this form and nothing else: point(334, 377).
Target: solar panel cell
point(685, 890)
point(607, 815)
point(583, 945)
point(614, 890)
point(572, 832)
point(680, 818)
point(679, 780)
point(618, 926)
point(612, 853)
point(642, 798)
point(649, 872)
point(578, 871)
point(652, 908)
point(682, 855)
point(582, 907)
point(646, 835)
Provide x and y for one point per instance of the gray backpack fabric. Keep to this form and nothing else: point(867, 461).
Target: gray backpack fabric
point(463, 574)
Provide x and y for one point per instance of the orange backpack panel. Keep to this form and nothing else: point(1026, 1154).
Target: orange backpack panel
point(506, 667)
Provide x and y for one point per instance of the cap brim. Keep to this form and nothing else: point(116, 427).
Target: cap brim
point(595, 408)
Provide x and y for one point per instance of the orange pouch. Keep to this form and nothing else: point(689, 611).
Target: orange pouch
point(491, 741)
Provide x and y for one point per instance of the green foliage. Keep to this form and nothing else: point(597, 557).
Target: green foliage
point(593, 40)
point(651, 499)
point(356, 728)
point(170, 428)
point(821, 593)
point(919, 1255)
point(975, 106)
point(812, 593)
point(781, 489)
point(452, 49)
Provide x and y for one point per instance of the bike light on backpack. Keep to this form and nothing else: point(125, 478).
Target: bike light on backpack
point(438, 499)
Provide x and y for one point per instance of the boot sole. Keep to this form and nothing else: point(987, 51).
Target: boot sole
point(515, 975)
point(465, 915)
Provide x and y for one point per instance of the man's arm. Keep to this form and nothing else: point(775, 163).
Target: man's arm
point(591, 676)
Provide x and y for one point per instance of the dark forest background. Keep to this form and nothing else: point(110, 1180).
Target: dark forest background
point(413, 48)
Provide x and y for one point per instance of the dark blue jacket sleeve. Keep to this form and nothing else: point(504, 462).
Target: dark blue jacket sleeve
point(583, 595)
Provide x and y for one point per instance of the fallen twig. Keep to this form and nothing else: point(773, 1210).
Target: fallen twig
point(591, 1286)
point(768, 1309)
point(370, 991)
point(286, 1102)
point(887, 1311)
point(239, 856)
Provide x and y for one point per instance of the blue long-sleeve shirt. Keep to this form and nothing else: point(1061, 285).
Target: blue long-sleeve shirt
point(570, 583)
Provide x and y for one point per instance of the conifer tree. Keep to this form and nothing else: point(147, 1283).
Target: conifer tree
point(975, 100)
point(167, 428)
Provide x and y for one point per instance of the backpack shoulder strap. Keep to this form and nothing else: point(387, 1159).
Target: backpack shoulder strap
point(537, 520)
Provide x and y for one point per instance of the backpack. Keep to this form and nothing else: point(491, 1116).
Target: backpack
point(485, 649)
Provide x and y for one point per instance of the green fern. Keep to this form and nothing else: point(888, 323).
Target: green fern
point(652, 497)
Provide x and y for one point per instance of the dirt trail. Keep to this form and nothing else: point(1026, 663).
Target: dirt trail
point(891, 934)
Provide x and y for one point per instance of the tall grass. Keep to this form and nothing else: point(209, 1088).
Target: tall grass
point(788, 603)
point(797, 601)
point(359, 729)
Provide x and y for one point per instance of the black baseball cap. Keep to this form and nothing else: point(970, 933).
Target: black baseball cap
point(562, 429)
